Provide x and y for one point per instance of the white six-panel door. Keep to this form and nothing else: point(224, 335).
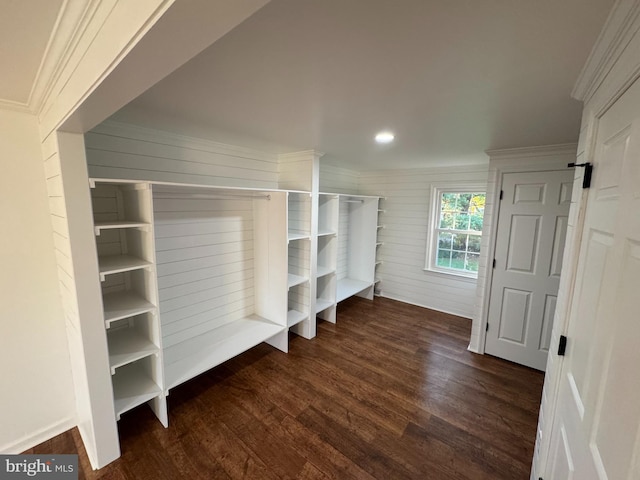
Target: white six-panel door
point(596, 426)
point(532, 226)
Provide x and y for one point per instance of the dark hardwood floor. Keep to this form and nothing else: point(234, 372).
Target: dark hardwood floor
point(390, 392)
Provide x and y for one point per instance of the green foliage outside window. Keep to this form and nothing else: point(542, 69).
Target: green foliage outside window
point(459, 230)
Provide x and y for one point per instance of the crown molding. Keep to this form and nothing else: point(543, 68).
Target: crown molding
point(72, 21)
point(621, 26)
point(299, 156)
point(15, 106)
point(529, 152)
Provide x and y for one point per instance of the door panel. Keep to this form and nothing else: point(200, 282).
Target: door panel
point(523, 243)
point(598, 404)
point(532, 226)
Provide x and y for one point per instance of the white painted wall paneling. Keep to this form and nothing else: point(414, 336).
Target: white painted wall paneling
point(338, 180)
point(405, 217)
point(34, 358)
point(117, 150)
point(211, 246)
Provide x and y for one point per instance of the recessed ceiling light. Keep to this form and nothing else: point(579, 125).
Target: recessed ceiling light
point(385, 137)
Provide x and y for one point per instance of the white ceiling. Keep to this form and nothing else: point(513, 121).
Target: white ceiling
point(25, 28)
point(452, 78)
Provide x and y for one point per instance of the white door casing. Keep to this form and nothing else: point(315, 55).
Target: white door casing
point(532, 225)
point(596, 426)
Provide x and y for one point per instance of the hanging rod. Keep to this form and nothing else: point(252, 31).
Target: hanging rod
point(354, 201)
point(215, 196)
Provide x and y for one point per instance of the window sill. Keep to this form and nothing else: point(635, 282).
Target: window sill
point(456, 275)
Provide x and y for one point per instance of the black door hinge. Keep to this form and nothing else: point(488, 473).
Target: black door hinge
point(588, 171)
point(487, 328)
point(494, 263)
point(562, 346)
point(501, 194)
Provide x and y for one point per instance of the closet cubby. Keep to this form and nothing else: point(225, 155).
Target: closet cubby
point(357, 233)
point(299, 262)
point(325, 297)
point(223, 287)
point(123, 224)
point(327, 214)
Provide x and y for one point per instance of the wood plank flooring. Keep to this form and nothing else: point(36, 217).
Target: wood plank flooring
point(390, 392)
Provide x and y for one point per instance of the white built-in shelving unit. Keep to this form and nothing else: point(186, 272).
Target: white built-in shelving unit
point(378, 261)
point(193, 275)
point(123, 224)
point(298, 260)
point(357, 243)
point(221, 274)
point(326, 258)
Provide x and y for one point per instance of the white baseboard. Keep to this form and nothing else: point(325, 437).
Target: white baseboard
point(457, 314)
point(36, 438)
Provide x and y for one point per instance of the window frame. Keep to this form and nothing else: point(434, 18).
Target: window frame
point(433, 226)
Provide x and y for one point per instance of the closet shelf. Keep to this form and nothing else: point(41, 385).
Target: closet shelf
point(99, 226)
point(294, 280)
point(324, 233)
point(294, 317)
point(120, 263)
point(132, 387)
point(296, 235)
point(124, 304)
point(323, 304)
point(348, 287)
point(322, 271)
point(192, 357)
point(126, 345)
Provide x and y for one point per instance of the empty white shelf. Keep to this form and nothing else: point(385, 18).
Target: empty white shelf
point(192, 357)
point(126, 345)
point(294, 317)
point(323, 304)
point(324, 233)
point(347, 287)
point(124, 304)
point(120, 263)
point(132, 387)
point(296, 235)
point(99, 226)
point(294, 280)
point(322, 271)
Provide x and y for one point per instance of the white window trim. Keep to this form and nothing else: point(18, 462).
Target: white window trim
point(434, 217)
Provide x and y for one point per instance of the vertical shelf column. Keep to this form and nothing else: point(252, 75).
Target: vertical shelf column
point(123, 223)
point(377, 290)
point(299, 318)
point(327, 253)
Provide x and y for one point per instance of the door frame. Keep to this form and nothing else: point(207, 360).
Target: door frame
point(515, 160)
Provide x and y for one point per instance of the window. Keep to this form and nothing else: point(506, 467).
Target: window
point(455, 230)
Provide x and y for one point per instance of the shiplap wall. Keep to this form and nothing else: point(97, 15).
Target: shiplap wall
point(204, 253)
point(405, 218)
point(335, 179)
point(117, 150)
